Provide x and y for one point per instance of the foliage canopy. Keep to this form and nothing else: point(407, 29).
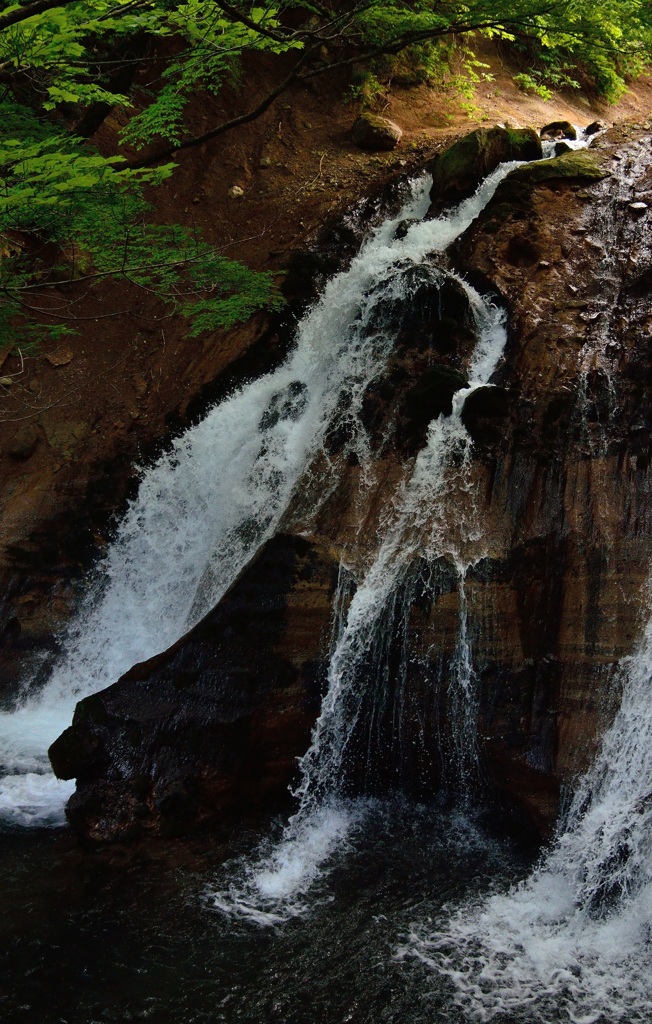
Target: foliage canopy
point(65, 63)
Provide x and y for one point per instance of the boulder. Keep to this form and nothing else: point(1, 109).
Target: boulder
point(577, 164)
point(561, 148)
point(24, 442)
point(558, 130)
point(594, 128)
point(404, 226)
point(458, 171)
point(372, 132)
point(485, 413)
point(214, 724)
point(432, 314)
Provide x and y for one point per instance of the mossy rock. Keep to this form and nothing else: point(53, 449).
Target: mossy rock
point(577, 165)
point(524, 144)
point(458, 171)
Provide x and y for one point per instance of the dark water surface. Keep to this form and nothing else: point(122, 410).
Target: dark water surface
point(129, 935)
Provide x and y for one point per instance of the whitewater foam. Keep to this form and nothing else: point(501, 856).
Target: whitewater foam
point(574, 940)
point(272, 888)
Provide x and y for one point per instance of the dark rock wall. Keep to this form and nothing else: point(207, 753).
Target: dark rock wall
point(214, 723)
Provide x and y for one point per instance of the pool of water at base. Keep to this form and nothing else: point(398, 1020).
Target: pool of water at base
point(97, 936)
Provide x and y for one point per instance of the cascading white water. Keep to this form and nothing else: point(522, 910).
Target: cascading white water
point(573, 941)
point(417, 525)
point(205, 508)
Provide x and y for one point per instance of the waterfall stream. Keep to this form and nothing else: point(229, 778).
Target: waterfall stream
point(209, 504)
point(417, 526)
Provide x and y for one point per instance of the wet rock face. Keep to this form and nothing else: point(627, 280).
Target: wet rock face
point(215, 723)
point(560, 491)
point(563, 459)
point(486, 413)
point(431, 396)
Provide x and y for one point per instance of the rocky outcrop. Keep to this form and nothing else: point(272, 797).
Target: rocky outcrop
point(216, 722)
point(559, 130)
point(553, 516)
point(577, 164)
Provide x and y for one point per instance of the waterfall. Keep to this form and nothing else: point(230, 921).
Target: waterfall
point(571, 942)
point(418, 526)
point(208, 505)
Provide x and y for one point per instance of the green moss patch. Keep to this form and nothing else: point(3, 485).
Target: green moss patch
point(576, 165)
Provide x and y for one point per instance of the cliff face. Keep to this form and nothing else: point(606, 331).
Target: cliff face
point(553, 519)
point(78, 416)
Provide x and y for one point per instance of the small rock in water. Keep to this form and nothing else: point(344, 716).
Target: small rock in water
point(6, 382)
point(561, 148)
point(264, 162)
point(638, 207)
point(372, 132)
point(235, 192)
point(558, 130)
point(61, 357)
point(595, 127)
point(404, 226)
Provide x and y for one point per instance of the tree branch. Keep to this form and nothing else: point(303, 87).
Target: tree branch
point(236, 16)
point(391, 46)
point(226, 126)
point(29, 10)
